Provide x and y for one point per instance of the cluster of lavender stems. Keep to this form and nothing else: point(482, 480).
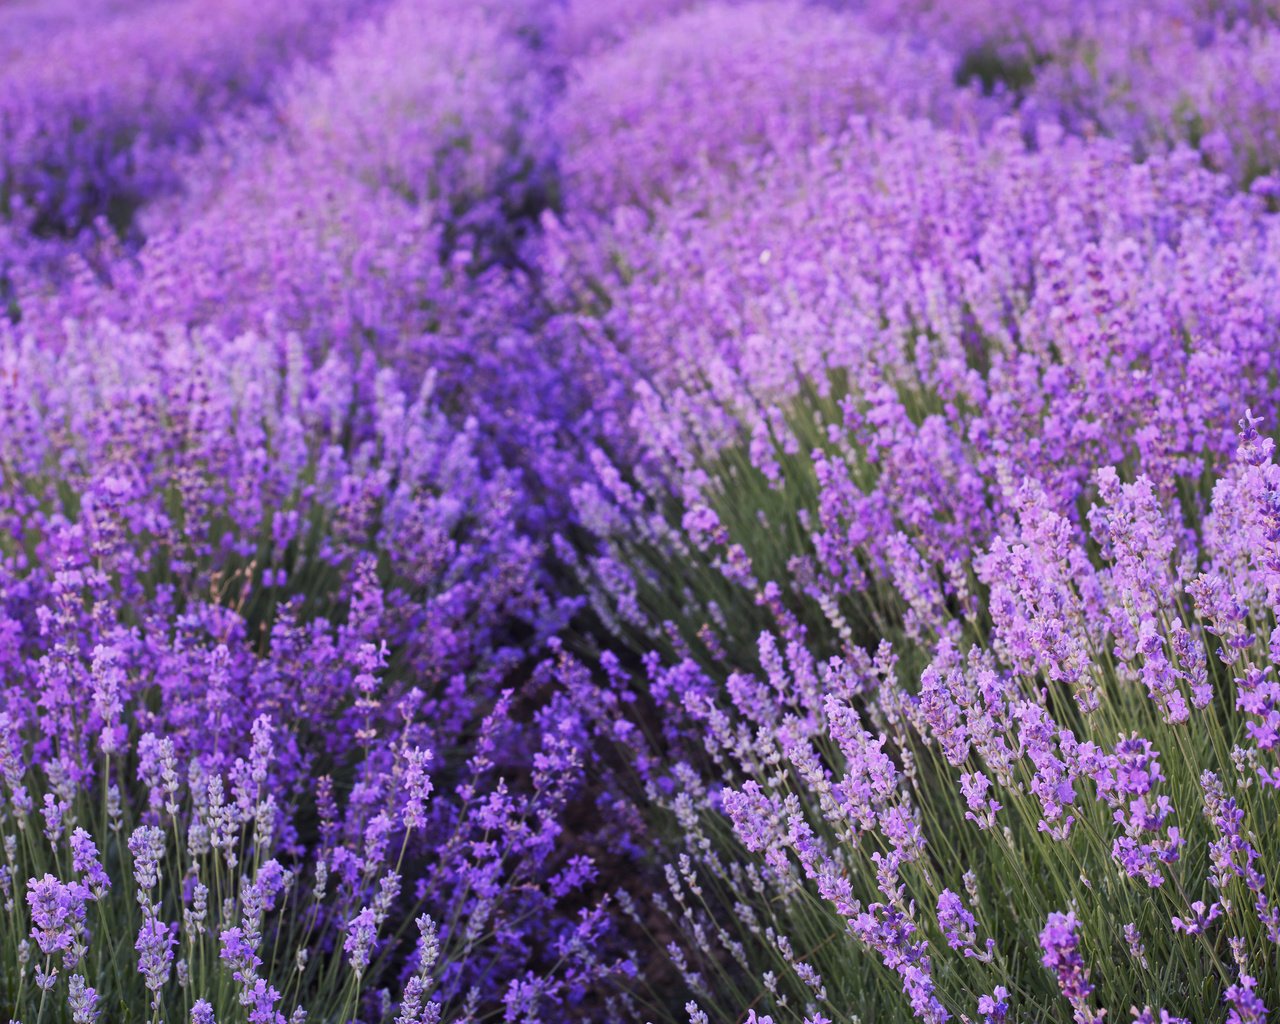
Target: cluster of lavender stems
point(707, 511)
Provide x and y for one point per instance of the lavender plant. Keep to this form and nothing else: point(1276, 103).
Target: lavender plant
point(1064, 813)
point(267, 594)
point(798, 72)
point(216, 672)
point(1153, 74)
point(824, 469)
point(88, 135)
point(811, 545)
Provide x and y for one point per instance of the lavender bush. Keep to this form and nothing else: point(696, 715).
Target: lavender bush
point(868, 500)
point(86, 134)
point(797, 72)
point(682, 511)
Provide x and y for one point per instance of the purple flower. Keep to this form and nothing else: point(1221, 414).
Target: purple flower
point(1231, 855)
point(146, 845)
point(57, 916)
point(82, 1001)
point(261, 999)
point(239, 955)
point(995, 1007)
point(1148, 1016)
point(1245, 1005)
point(1061, 947)
point(362, 930)
point(1126, 780)
point(155, 952)
point(54, 812)
point(982, 809)
point(417, 786)
point(1200, 919)
point(84, 860)
point(1133, 938)
point(959, 926)
point(202, 1012)
point(1054, 779)
point(109, 684)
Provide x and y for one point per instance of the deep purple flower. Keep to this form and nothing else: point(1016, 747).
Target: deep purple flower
point(995, 1007)
point(1061, 945)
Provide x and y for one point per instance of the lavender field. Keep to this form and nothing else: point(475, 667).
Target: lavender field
point(639, 511)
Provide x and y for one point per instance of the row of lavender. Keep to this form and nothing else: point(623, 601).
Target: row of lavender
point(272, 549)
point(97, 111)
point(942, 538)
point(368, 359)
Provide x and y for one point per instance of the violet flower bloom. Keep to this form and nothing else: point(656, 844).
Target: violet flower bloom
point(1060, 943)
point(362, 930)
point(82, 1001)
point(995, 1007)
point(202, 1012)
point(1245, 1005)
point(85, 861)
point(1199, 920)
point(154, 947)
point(1148, 1016)
point(960, 927)
point(57, 916)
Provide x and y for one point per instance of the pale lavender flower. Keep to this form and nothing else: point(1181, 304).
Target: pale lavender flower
point(428, 945)
point(1133, 938)
point(82, 1000)
point(361, 932)
point(261, 751)
point(55, 811)
point(982, 808)
point(57, 916)
point(147, 847)
point(107, 678)
point(414, 1007)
